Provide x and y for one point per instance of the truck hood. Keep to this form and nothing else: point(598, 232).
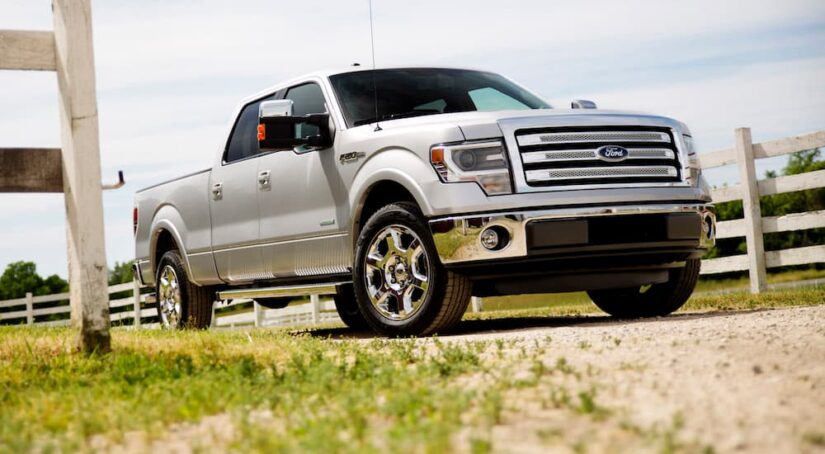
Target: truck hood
point(485, 125)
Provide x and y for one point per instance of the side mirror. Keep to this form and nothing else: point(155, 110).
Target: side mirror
point(278, 129)
point(582, 104)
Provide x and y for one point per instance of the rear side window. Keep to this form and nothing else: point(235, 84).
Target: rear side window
point(244, 140)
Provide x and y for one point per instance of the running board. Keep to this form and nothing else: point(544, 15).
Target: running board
point(278, 292)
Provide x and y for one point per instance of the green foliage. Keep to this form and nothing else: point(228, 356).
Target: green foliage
point(121, 273)
point(21, 277)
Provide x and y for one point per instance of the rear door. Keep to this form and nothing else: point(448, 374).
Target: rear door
point(304, 209)
point(234, 204)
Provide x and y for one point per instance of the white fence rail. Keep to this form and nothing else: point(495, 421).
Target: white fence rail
point(753, 226)
point(312, 313)
point(53, 310)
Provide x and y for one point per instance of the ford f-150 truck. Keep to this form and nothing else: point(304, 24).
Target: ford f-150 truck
point(406, 191)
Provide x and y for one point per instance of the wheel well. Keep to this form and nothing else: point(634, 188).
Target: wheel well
point(381, 194)
point(165, 242)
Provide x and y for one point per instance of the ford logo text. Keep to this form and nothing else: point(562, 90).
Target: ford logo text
point(613, 153)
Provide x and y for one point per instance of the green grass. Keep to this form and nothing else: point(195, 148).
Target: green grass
point(332, 396)
point(317, 394)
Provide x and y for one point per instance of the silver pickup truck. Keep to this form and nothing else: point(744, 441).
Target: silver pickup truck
point(407, 191)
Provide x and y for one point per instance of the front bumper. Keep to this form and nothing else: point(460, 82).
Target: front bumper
point(575, 231)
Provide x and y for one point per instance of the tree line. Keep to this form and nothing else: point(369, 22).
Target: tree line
point(21, 277)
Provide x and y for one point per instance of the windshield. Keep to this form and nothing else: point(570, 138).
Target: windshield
point(404, 93)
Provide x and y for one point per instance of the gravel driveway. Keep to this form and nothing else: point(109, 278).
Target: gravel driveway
point(744, 381)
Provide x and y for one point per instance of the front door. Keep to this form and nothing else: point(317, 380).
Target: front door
point(303, 210)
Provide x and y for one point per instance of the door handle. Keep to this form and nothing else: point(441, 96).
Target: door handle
point(217, 191)
point(264, 180)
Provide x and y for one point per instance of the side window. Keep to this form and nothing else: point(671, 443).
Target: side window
point(307, 99)
point(244, 140)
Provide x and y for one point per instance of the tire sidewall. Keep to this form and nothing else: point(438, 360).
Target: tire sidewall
point(407, 216)
point(174, 259)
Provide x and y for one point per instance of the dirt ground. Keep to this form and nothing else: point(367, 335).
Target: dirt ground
point(710, 382)
point(747, 381)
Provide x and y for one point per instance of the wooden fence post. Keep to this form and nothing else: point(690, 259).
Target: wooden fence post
point(477, 303)
point(259, 314)
point(315, 301)
point(82, 189)
point(29, 309)
point(752, 210)
point(136, 296)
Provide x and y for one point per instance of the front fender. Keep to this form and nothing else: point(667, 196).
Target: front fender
point(400, 166)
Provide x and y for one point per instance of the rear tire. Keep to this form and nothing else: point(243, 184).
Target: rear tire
point(347, 307)
point(656, 300)
point(181, 304)
point(401, 286)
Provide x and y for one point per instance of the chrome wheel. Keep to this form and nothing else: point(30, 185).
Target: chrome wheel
point(169, 298)
point(398, 272)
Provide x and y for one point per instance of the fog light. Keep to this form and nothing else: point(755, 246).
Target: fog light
point(489, 239)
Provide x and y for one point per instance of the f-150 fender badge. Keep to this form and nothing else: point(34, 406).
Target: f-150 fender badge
point(352, 156)
point(612, 153)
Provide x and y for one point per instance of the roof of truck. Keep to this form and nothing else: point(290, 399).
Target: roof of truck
point(332, 72)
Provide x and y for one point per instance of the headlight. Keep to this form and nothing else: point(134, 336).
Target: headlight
point(484, 163)
point(693, 160)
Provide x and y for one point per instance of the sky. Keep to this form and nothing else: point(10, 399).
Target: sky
point(169, 73)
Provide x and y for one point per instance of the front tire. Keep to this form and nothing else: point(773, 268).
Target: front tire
point(347, 307)
point(401, 287)
point(181, 304)
point(656, 300)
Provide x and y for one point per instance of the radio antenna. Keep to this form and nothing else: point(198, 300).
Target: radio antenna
point(374, 85)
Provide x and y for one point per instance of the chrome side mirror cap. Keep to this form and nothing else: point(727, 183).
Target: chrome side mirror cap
point(582, 104)
point(276, 108)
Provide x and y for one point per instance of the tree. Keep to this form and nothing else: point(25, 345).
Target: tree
point(21, 277)
point(121, 273)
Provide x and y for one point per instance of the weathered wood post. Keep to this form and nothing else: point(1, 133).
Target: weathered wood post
point(81, 173)
point(752, 210)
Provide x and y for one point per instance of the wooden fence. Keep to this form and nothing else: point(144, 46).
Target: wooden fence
point(139, 310)
point(53, 310)
point(753, 226)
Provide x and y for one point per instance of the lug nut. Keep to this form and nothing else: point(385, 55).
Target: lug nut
point(489, 239)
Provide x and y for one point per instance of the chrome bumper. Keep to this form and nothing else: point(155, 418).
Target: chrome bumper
point(457, 238)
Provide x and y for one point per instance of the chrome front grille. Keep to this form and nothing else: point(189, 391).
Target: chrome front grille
point(593, 136)
point(570, 157)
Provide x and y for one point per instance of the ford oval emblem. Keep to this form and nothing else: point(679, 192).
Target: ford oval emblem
point(612, 153)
